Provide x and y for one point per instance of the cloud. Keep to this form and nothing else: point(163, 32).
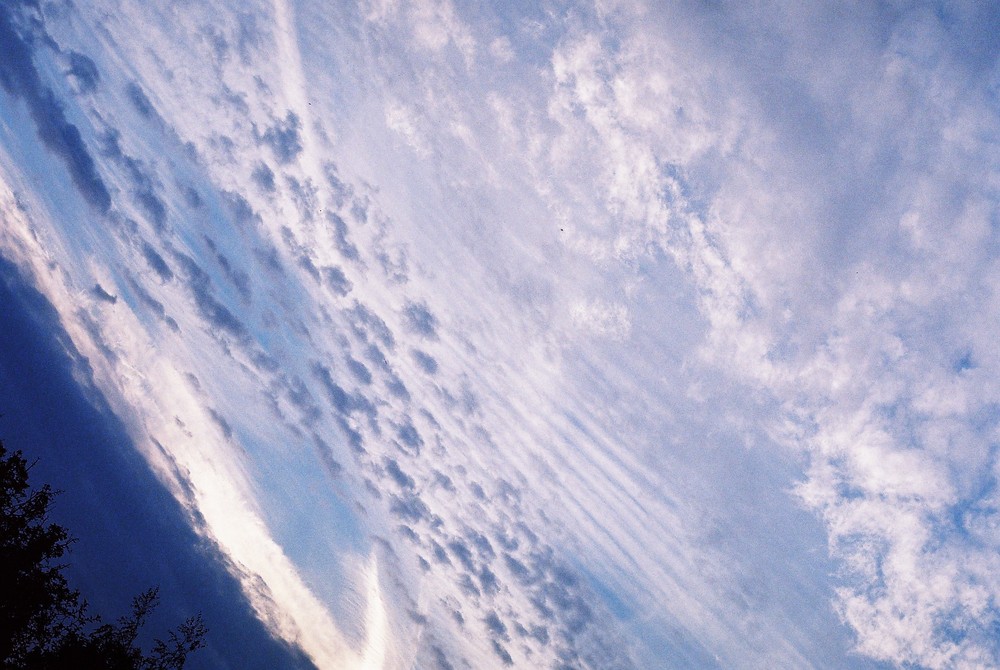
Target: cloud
point(19, 78)
point(148, 531)
point(704, 255)
point(607, 319)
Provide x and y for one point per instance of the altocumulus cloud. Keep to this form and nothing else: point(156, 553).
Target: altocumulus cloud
point(630, 336)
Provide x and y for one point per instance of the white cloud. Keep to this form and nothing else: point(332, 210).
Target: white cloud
point(778, 225)
point(403, 121)
point(602, 318)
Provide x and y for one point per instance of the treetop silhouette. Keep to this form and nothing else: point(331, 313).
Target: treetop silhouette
point(44, 623)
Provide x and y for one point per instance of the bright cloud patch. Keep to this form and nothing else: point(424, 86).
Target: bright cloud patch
point(590, 336)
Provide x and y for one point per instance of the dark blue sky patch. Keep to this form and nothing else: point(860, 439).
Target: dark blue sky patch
point(444, 481)
point(263, 177)
point(397, 388)
point(110, 144)
point(127, 523)
point(194, 272)
point(502, 653)
point(264, 361)
point(411, 535)
point(410, 437)
point(575, 613)
point(372, 489)
point(342, 238)
point(963, 361)
point(306, 264)
point(354, 438)
point(365, 321)
point(409, 507)
point(339, 398)
point(488, 581)
point(620, 609)
point(462, 552)
point(333, 466)
point(145, 193)
point(248, 37)
point(238, 278)
point(153, 304)
point(403, 480)
point(268, 256)
point(299, 395)
point(359, 370)
point(469, 587)
point(340, 191)
point(359, 403)
point(214, 312)
point(359, 210)
point(84, 71)
point(221, 422)
point(283, 138)
point(156, 262)
point(305, 195)
point(394, 263)
point(564, 576)
point(336, 280)
point(192, 197)
point(495, 625)
point(152, 207)
point(139, 100)
point(99, 293)
point(506, 541)
point(440, 659)
point(375, 355)
point(541, 607)
point(526, 532)
point(217, 314)
point(219, 43)
point(426, 362)
point(518, 569)
point(20, 79)
point(240, 208)
point(420, 319)
point(482, 545)
point(439, 554)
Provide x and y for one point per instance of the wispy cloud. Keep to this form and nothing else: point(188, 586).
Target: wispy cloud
point(610, 333)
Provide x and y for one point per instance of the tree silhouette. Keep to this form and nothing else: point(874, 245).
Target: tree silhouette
point(44, 623)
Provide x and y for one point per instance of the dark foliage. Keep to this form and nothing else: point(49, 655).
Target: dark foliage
point(44, 624)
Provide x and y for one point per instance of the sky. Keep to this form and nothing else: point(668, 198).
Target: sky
point(443, 335)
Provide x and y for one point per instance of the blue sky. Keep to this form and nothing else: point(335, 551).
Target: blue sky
point(597, 335)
